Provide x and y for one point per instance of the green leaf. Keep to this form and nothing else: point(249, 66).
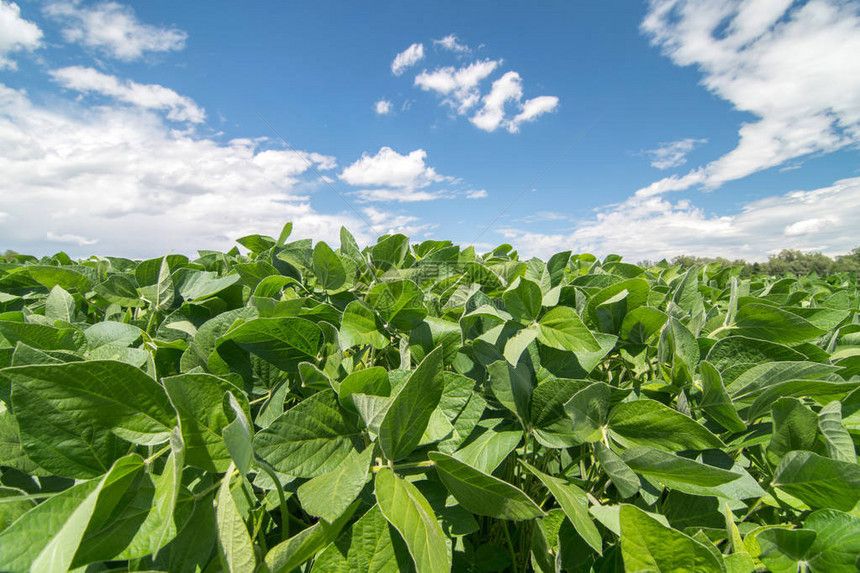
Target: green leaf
point(674, 471)
point(551, 425)
point(373, 381)
point(328, 268)
point(588, 409)
point(283, 341)
point(41, 336)
point(648, 545)
point(360, 326)
point(328, 495)
point(716, 401)
point(489, 449)
point(523, 300)
point(167, 491)
point(288, 555)
point(198, 400)
point(641, 324)
point(650, 423)
point(234, 541)
point(409, 413)
point(782, 550)
point(512, 387)
point(562, 329)
point(839, 444)
point(837, 541)
point(774, 325)
point(411, 515)
point(623, 478)
point(238, 436)
point(574, 503)
point(482, 493)
point(60, 305)
point(399, 303)
point(817, 481)
point(310, 439)
point(795, 427)
point(113, 395)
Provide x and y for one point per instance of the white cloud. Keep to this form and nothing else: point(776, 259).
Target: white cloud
point(531, 110)
point(390, 169)
point(459, 86)
point(16, 34)
point(114, 30)
point(399, 195)
point(389, 223)
point(382, 107)
point(70, 238)
point(476, 194)
point(673, 153)
point(792, 65)
point(407, 58)
point(149, 96)
point(121, 176)
point(452, 43)
point(507, 88)
point(652, 227)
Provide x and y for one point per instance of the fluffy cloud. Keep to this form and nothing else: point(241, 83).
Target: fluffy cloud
point(388, 223)
point(673, 153)
point(16, 34)
point(390, 169)
point(407, 58)
point(149, 96)
point(122, 177)
point(792, 65)
point(509, 88)
point(114, 30)
point(382, 107)
point(458, 86)
point(653, 227)
point(452, 43)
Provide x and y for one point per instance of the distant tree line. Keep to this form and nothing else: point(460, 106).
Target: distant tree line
point(787, 261)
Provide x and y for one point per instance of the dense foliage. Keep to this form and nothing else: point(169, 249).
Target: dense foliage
point(787, 261)
point(423, 407)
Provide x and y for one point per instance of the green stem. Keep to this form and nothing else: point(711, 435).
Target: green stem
point(282, 500)
point(510, 545)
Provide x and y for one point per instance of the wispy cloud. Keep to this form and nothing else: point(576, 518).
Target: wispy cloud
point(150, 96)
point(16, 34)
point(452, 43)
point(673, 153)
point(407, 58)
point(113, 29)
point(793, 66)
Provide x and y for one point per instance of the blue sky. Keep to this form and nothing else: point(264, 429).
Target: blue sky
point(648, 129)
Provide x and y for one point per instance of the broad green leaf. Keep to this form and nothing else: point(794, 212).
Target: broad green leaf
point(648, 545)
point(360, 326)
point(774, 325)
point(399, 303)
point(562, 329)
point(523, 300)
point(839, 444)
point(111, 333)
point(310, 439)
point(837, 541)
point(411, 515)
point(783, 550)
point(818, 481)
point(795, 427)
point(373, 381)
point(409, 412)
point(551, 425)
point(588, 409)
point(641, 324)
point(371, 545)
point(716, 401)
point(42, 336)
point(433, 332)
point(167, 491)
point(517, 344)
point(623, 478)
point(489, 449)
point(198, 400)
point(482, 493)
point(283, 341)
point(675, 471)
point(574, 503)
point(650, 423)
point(328, 267)
point(512, 387)
point(234, 541)
point(60, 305)
point(238, 436)
point(328, 495)
point(109, 394)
